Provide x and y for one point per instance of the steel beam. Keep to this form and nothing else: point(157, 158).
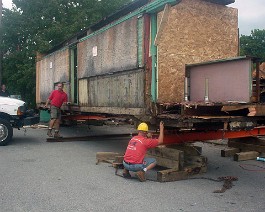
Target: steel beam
point(184, 137)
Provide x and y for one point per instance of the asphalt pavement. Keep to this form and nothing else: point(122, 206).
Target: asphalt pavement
point(37, 176)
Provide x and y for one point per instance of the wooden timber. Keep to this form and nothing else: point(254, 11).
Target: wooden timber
point(107, 157)
point(246, 156)
point(166, 162)
point(187, 161)
point(170, 175)
point(244, 146)
point(228, 152)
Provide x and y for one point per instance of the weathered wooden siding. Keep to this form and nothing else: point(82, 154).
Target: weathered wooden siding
point(114, 50)
point(121, 90)
point(195, 31)
point(51, 69)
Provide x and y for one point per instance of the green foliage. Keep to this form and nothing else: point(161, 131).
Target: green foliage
point(39, 25)
point(254, 44)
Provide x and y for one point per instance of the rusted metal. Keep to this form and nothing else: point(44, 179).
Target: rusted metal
point(90, 137)
point(184, 137)
point(84, 117)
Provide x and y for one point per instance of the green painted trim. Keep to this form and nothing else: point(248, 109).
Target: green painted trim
point(154, 57)
point(153, 7)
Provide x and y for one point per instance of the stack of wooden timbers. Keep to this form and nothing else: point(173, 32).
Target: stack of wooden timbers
point(180, 161)
point(175, 162)
point(247, 148)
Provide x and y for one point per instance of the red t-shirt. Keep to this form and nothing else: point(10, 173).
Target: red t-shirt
point(58, 98)
point(137, 148)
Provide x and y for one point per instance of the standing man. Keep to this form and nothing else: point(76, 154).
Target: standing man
point(134, 158)
point(3, 91)
point(56, 98)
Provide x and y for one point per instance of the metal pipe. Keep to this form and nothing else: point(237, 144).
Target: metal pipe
point(206, 96)
point(186, 91)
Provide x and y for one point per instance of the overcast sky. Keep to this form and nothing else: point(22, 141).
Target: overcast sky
point(251, 14)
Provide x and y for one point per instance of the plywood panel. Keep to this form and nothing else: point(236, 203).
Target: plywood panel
point(196, 31)
point(111, 51)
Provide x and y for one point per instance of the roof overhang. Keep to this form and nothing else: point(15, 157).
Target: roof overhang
point(222, 2)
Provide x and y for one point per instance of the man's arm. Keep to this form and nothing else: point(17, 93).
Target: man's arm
point(161, 133)
point(47, 102)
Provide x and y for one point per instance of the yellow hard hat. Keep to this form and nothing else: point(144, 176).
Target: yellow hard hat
point(143, 127)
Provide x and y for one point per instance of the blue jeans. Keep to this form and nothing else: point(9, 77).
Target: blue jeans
point(140, 166)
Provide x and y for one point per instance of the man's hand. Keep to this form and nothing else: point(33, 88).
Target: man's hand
point(161, 133)
point(161, 126)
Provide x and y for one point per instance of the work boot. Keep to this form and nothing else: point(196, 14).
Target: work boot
point(49, 133)
point(141, 175)
point(126, 173)
point(57, 135)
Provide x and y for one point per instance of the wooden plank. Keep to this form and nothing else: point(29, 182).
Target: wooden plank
point(245, 146)
point(250, 140)
point(228, 152)
point(170, 175)
point(246, 156)
point(187, 149)
point(165, 162)
point(106, 156)
point(166, 152)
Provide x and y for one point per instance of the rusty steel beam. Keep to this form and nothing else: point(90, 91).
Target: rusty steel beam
point(90, 137)
point(184, 137)
point(84, 117)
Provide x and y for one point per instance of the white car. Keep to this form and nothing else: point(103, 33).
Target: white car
point(13, 114)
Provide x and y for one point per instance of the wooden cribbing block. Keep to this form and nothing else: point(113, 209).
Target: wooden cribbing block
point(170, 175)
point(246, 156)
point(165, 152)
point(166, 162)
point(106, 156)
point(187, 149)
point(249, 140)
point(228, 152)
point(246, 146)
point(195, 160)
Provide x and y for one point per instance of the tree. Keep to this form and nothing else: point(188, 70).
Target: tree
point(254, 44)
point(39, 25)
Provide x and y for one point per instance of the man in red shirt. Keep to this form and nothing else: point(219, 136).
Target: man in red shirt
point(134, 158)
point(56, 98)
